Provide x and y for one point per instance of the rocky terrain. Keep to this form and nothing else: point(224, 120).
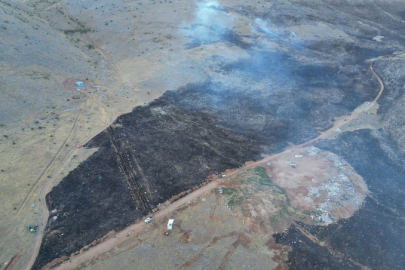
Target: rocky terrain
point(203, 87)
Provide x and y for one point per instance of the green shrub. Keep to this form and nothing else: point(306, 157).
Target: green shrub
point(80, 30)
point(235, 201)
point(228, 191)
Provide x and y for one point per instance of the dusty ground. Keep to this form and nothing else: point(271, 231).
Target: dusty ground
point(136, 51)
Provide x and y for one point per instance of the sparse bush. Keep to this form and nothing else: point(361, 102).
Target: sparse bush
point(264, 178)
point(80, 30)
point(90, 46)
point(5, 136)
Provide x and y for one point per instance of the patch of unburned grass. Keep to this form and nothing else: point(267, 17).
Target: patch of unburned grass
point(235, 201)
point(228, 191)
point(264, 178)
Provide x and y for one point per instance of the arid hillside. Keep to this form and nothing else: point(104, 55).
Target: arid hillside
point(113, 110)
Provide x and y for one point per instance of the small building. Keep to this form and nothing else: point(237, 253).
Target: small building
point(170, 224)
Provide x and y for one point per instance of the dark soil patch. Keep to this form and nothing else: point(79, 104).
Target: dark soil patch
point(184, 238)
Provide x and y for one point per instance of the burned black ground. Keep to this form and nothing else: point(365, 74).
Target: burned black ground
point(174, 143)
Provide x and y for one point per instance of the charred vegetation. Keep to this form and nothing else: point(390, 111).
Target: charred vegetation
point(174, 143)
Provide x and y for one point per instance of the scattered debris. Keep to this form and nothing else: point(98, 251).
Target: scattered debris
point(128, 234)
point(298, 156)
point(79, 146)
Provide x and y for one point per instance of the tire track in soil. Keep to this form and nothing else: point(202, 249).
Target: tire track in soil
point(103, 113)
point(217, 198)
point(242, 239)
point(129, 171)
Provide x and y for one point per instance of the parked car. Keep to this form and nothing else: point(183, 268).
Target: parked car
point(149, 219)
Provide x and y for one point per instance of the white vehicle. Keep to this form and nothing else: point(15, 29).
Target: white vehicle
point(149, 219)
